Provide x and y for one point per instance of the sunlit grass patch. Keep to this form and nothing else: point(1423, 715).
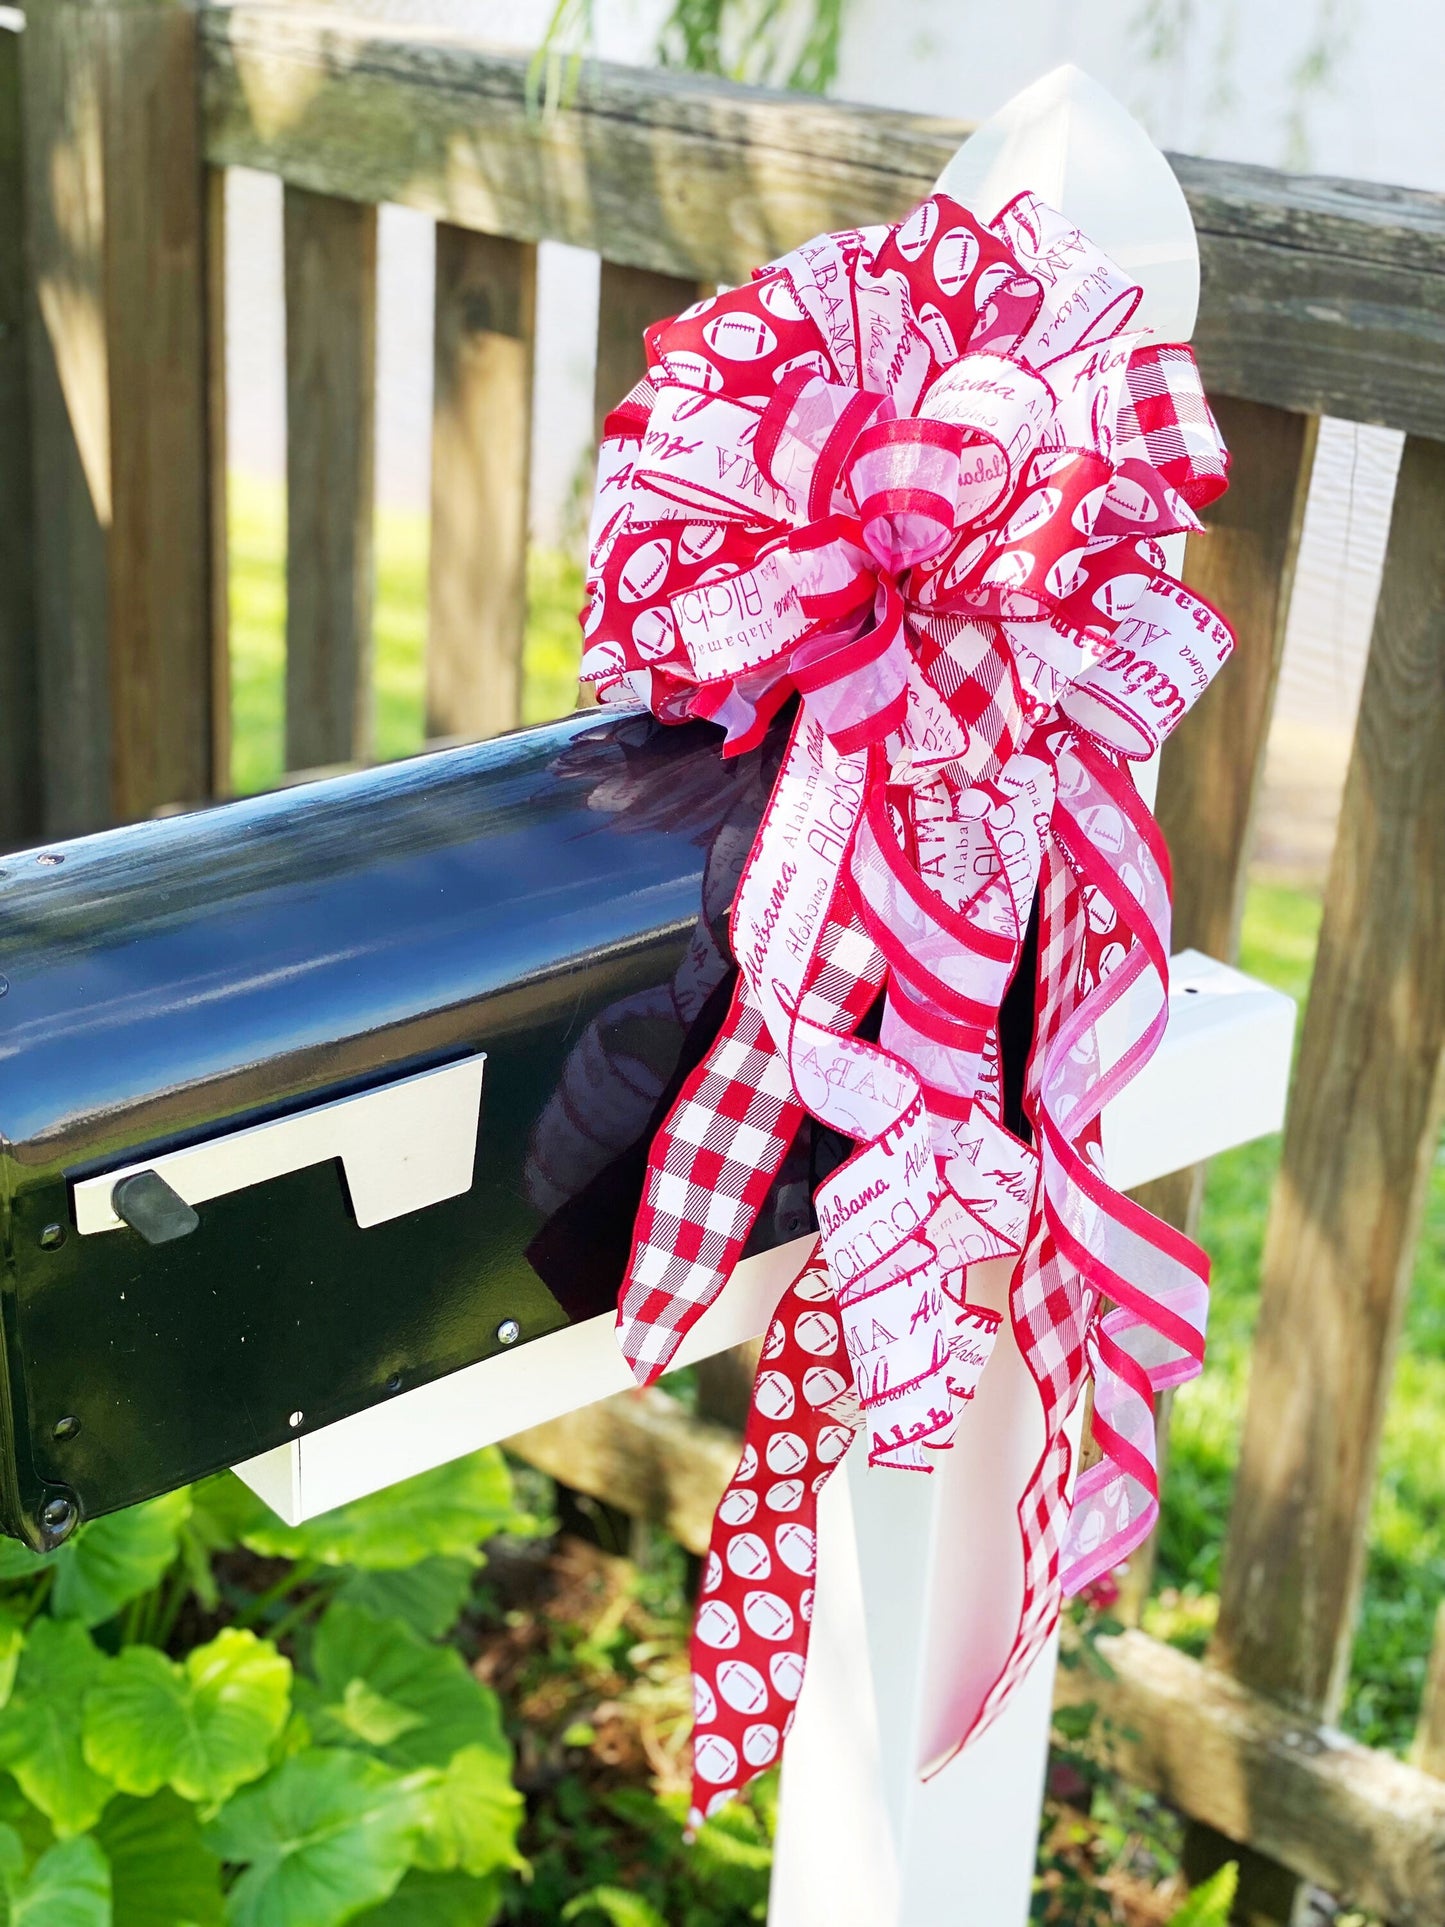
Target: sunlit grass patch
point(258, 633)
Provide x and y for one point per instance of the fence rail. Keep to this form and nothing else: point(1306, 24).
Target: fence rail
point(1318, 296)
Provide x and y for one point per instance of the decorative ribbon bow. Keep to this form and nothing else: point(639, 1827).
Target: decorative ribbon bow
point(917, 475)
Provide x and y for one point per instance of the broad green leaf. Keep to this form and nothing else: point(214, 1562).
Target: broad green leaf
point(1212, 1904)
point(446, 1512)
point(12, 1639)
point(615, 1904)
point(17, 1561)
point(69, 1886)
point(204, 1727)
point(1076, 1722)
point(223, 1509)
point(733, 1842)
point(113, 1560)
point(475, 1812)
point(162, 1873)
point(375, 1720)
point(135, 1720)
point(322, 1836)
point(12, 1858)
point(18, 1816)
point(430, 1681)
point(429, 1596)
point(195, 1557)
point(437, 1900)
point(296, 1736)
point(40, 1730)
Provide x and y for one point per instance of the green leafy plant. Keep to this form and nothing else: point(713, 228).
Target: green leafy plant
point(778, 43)
point(782, 43)
point(211, 1719)
point(614, 1904)
point(1210, 1904)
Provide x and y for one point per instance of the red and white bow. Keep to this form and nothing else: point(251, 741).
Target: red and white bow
point(916, 475)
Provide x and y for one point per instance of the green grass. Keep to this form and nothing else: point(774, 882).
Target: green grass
point(258, 629)
point(1406, 1574)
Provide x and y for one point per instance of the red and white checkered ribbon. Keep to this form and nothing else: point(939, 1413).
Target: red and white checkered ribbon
point(917, 476)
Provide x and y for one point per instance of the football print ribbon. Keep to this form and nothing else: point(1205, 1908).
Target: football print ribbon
point(916, 477)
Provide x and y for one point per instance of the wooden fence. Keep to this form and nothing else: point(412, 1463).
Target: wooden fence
point(1319, 296)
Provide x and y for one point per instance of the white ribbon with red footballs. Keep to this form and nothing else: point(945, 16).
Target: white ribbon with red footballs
point(916, 476)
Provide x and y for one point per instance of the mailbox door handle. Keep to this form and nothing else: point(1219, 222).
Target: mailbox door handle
point(403, 1146)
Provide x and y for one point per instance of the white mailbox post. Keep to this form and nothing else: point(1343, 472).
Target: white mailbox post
point(918, 1579)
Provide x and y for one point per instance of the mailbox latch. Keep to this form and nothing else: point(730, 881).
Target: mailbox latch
point(148, 1205)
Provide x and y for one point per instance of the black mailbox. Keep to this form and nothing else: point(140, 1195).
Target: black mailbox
point(247, 1187)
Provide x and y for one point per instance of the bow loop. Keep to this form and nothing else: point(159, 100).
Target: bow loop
point(904, 478)
point(806, 433)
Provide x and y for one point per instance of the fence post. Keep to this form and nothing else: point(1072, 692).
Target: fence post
point(218, 499)
point(629, 300)
point(330, 248)
point(1210, 773)
point(486, 305)
point(114, 186)
point(1359, 1139)
point(20, 820)
point(1428, 1752)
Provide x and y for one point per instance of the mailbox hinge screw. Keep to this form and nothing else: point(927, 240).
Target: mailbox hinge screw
point(65, 1429)
point(508, 1332)
point(58, 1519)
point(52, 1237)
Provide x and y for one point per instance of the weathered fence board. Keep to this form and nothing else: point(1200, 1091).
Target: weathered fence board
point(155, 256)
point(629, 300)
point(69, 413)
point(1348, 269)
point(1319, 296)
point(115, 206)
point(330, 472)
point(486, 303)
point(218, 498)
point(20, 820)
point(1359, 1141)
point(1211, 770)
point(1349, 1818)
point(687, 176)
point(1428, 1752)
point(642, 1453)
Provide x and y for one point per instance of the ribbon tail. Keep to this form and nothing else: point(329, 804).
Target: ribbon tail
point(750, 1634)
point(709, 1171)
